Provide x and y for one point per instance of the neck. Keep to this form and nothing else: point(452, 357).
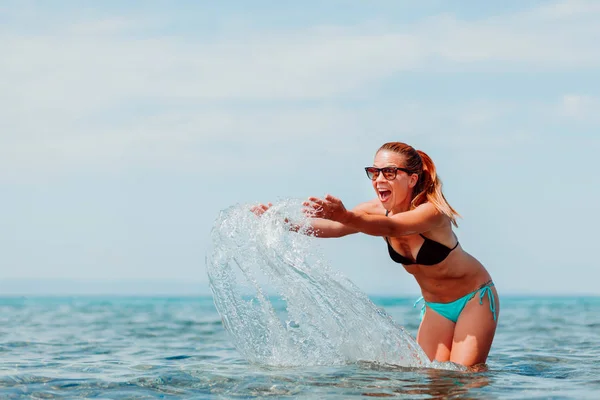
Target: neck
point(402, 206)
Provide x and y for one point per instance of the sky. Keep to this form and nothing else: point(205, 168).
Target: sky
point(125, 127)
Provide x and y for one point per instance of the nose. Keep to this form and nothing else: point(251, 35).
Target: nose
point(380, 177)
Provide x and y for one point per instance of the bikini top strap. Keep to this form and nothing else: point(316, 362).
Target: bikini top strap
point(386, 239)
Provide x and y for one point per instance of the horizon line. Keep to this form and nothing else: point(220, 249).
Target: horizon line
point(62, 287)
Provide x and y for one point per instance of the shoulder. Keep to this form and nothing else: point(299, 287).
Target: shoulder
point(427, 208)
point(429, 212)
point(426, 215)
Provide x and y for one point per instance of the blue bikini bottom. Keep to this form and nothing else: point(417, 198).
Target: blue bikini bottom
point(453, 309)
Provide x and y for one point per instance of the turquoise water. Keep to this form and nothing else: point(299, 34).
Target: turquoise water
point(169, 348)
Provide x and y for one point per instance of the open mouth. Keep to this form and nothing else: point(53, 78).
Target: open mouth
point(384, 195)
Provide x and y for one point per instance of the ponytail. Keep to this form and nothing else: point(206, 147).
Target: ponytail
point(429, 189)
point(429, 186)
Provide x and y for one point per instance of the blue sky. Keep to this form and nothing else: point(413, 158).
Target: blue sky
point(125, 128)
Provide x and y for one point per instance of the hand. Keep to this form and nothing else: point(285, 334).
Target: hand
point(330, 208)
point(260, 209)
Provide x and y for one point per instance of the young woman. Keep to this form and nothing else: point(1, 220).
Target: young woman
point(460, 312)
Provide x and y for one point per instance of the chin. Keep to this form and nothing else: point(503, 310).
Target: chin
point(386, 204)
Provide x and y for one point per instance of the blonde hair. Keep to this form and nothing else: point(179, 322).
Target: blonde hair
point(429, 185)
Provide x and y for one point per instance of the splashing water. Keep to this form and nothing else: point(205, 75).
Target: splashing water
point(285, 307)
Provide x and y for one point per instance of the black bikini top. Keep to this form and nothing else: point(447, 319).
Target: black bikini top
point(430, 253)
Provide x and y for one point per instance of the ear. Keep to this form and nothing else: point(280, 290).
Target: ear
point(412, 180)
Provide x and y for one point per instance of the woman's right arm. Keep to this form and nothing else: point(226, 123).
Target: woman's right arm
point(324, 228)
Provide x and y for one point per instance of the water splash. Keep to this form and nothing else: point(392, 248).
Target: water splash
point(284, 306)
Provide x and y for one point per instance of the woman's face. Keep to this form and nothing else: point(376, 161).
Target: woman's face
point(396, 191)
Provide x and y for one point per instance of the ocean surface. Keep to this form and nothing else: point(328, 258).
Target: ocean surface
point(170, 348)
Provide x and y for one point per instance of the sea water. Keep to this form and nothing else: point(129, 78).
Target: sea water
point(171, 348)
point(281, 323)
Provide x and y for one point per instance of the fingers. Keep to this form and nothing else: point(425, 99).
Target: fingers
point(316, 207)
point(327, 198)
point(332, 199)
point(313, 203)
point(316, 200)
point(313, 207)
point(312, 210)
point(260, 209)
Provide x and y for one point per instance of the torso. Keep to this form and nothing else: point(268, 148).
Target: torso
point(457, 275)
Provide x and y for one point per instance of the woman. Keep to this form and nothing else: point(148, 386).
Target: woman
point(460, 311)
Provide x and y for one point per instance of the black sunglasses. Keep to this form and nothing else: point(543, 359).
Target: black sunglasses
point(389, 173)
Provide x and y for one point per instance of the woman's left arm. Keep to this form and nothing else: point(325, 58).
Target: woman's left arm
point(422, 219)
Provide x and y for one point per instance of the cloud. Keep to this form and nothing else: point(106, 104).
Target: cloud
point(550, 38)
point(580, 107)
point(115, 90)
point(189, 140)
point(88, 61)
point(115, 25)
